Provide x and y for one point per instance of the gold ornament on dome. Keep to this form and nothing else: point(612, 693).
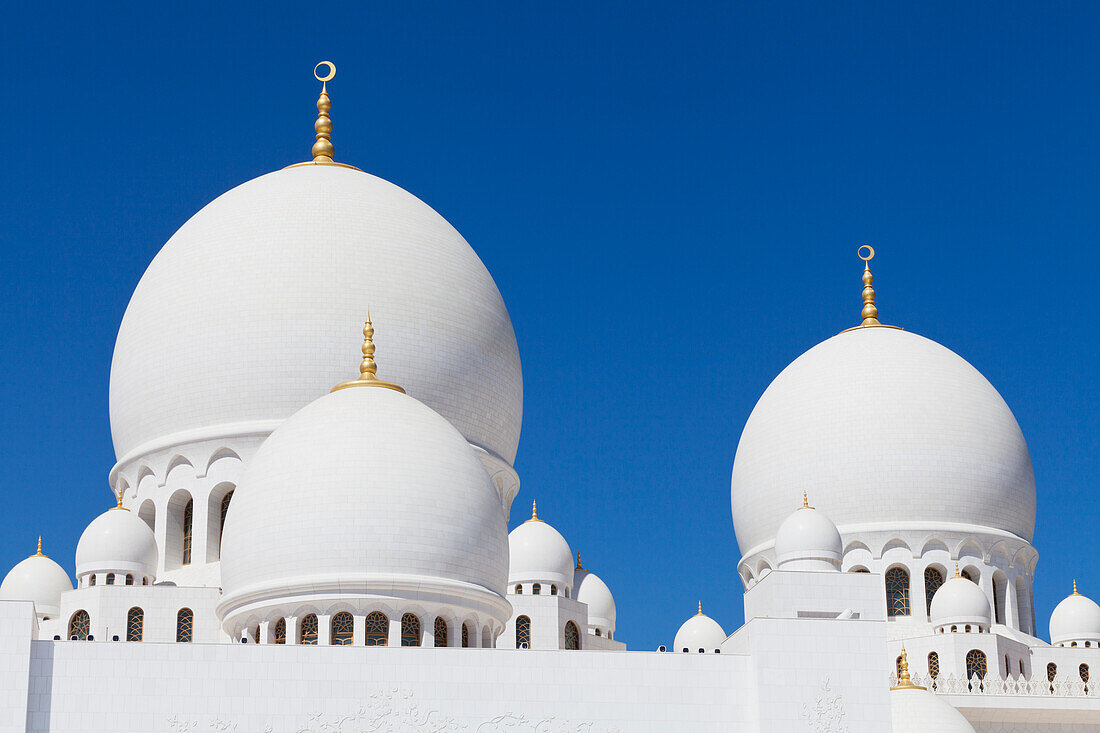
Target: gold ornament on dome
point(367, 368)
point(904, 683)
point(323, 149)
point(869, 314)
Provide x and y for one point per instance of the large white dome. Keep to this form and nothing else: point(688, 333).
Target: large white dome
point(117, 541)
point(882, 427)
point(538, 553)
point(960, 602)
point(249, 313)
point(365, 491)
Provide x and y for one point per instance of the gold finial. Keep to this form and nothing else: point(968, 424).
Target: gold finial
point(957, 575)
point(1075, 588)
point(805, 501)
point(870, 310)
point(367, 368)
point(118, 496)
point(39, 553)
point(578, 561)
point(322, 149)
point(700, 613)
point(904, 683)
point(534, 512)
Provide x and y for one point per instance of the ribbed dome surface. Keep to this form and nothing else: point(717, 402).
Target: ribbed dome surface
point(250, 310)
point(882, 426)
point(362, 488)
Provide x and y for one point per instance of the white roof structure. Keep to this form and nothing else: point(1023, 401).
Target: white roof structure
point(589, 589)
point(882, 426)
point(959, 602)
point(285, 265)
point(808, 540)
point(38, 579)
point(538, 553)
point(117, 541)
point(364, 492)
point(1075, 619)
point(700, 633)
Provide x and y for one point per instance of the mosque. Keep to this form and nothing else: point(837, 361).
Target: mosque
point(271, 503)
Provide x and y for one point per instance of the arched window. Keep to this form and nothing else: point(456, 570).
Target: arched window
point(1083, 671)
point(185, 625)
point(79, 625)
point(110, 578)
point(92, 581)
point(1073, 643)
point(897, 592)
point(860, 570)
point(135, 623)
point(440, 631)
point(969, 575)
point(572, 636)
point(998, 598)
point(256, 634)
point(465, 636)
point(1021, 667)
point(933, 579)
point(343, 629)
point(280, 631)
point(933, 665)
point(967, 628)
point(225, 507)
point(975, 667)
point(486, 638)
point(553, 590)
point(536, 589)
point(188, 521)
point(129, 579)
point(523, 631)
point(597, 632)
point(307, 634)
point(1007, 670)
point(567, 592)
point(378, 629)
point(1052, 672)
point(410, 630)
point(519, 589)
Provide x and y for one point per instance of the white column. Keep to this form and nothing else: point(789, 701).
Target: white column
point(1012, 608)
point(264, 631)
point(916, 593)
point(199, 524)
point(454, 632)
point(395, 630)
point(292, 629)
point(427, 631)
point(324, 630)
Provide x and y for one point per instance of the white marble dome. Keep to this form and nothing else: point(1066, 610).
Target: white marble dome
point(959, 602)
point(38, 579)
point(537, 553)
point(808, 540)
point(365, 492)
point(249, 313)
point(915, 710)
point(1075, 619)
point(590, 590)
point(882, 427)
point(120, 542)
point(699, 632)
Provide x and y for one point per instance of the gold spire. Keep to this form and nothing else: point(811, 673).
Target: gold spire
point(870, 310)
point(957, 571)
point(367, 368)
point(118, 496)
point(904, 683)
point(1075, 588)
point(39, 553)
point(322, 149)
point(534, 513)
point(805, 501)
point(700, 613)
point(578, 561)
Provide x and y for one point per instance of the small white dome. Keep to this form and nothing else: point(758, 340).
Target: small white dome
point(365, 493)
point(1077, 618)
point(959, 602)
point(914, 710)
point(699, 632)
point(537, 553)
point(808, 540)
point(594, 593)
point(117, 541)
point(38, 579)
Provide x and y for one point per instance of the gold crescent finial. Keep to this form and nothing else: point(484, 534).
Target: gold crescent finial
point(870, 310)
point(904, 683)
point(323, 149)
point(367, 368)
point(39, 553)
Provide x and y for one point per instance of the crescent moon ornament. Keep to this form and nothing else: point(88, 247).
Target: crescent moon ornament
point(329, 75)
point(870, 252)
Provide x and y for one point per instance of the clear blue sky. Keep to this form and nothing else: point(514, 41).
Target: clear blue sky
point(669, 199)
